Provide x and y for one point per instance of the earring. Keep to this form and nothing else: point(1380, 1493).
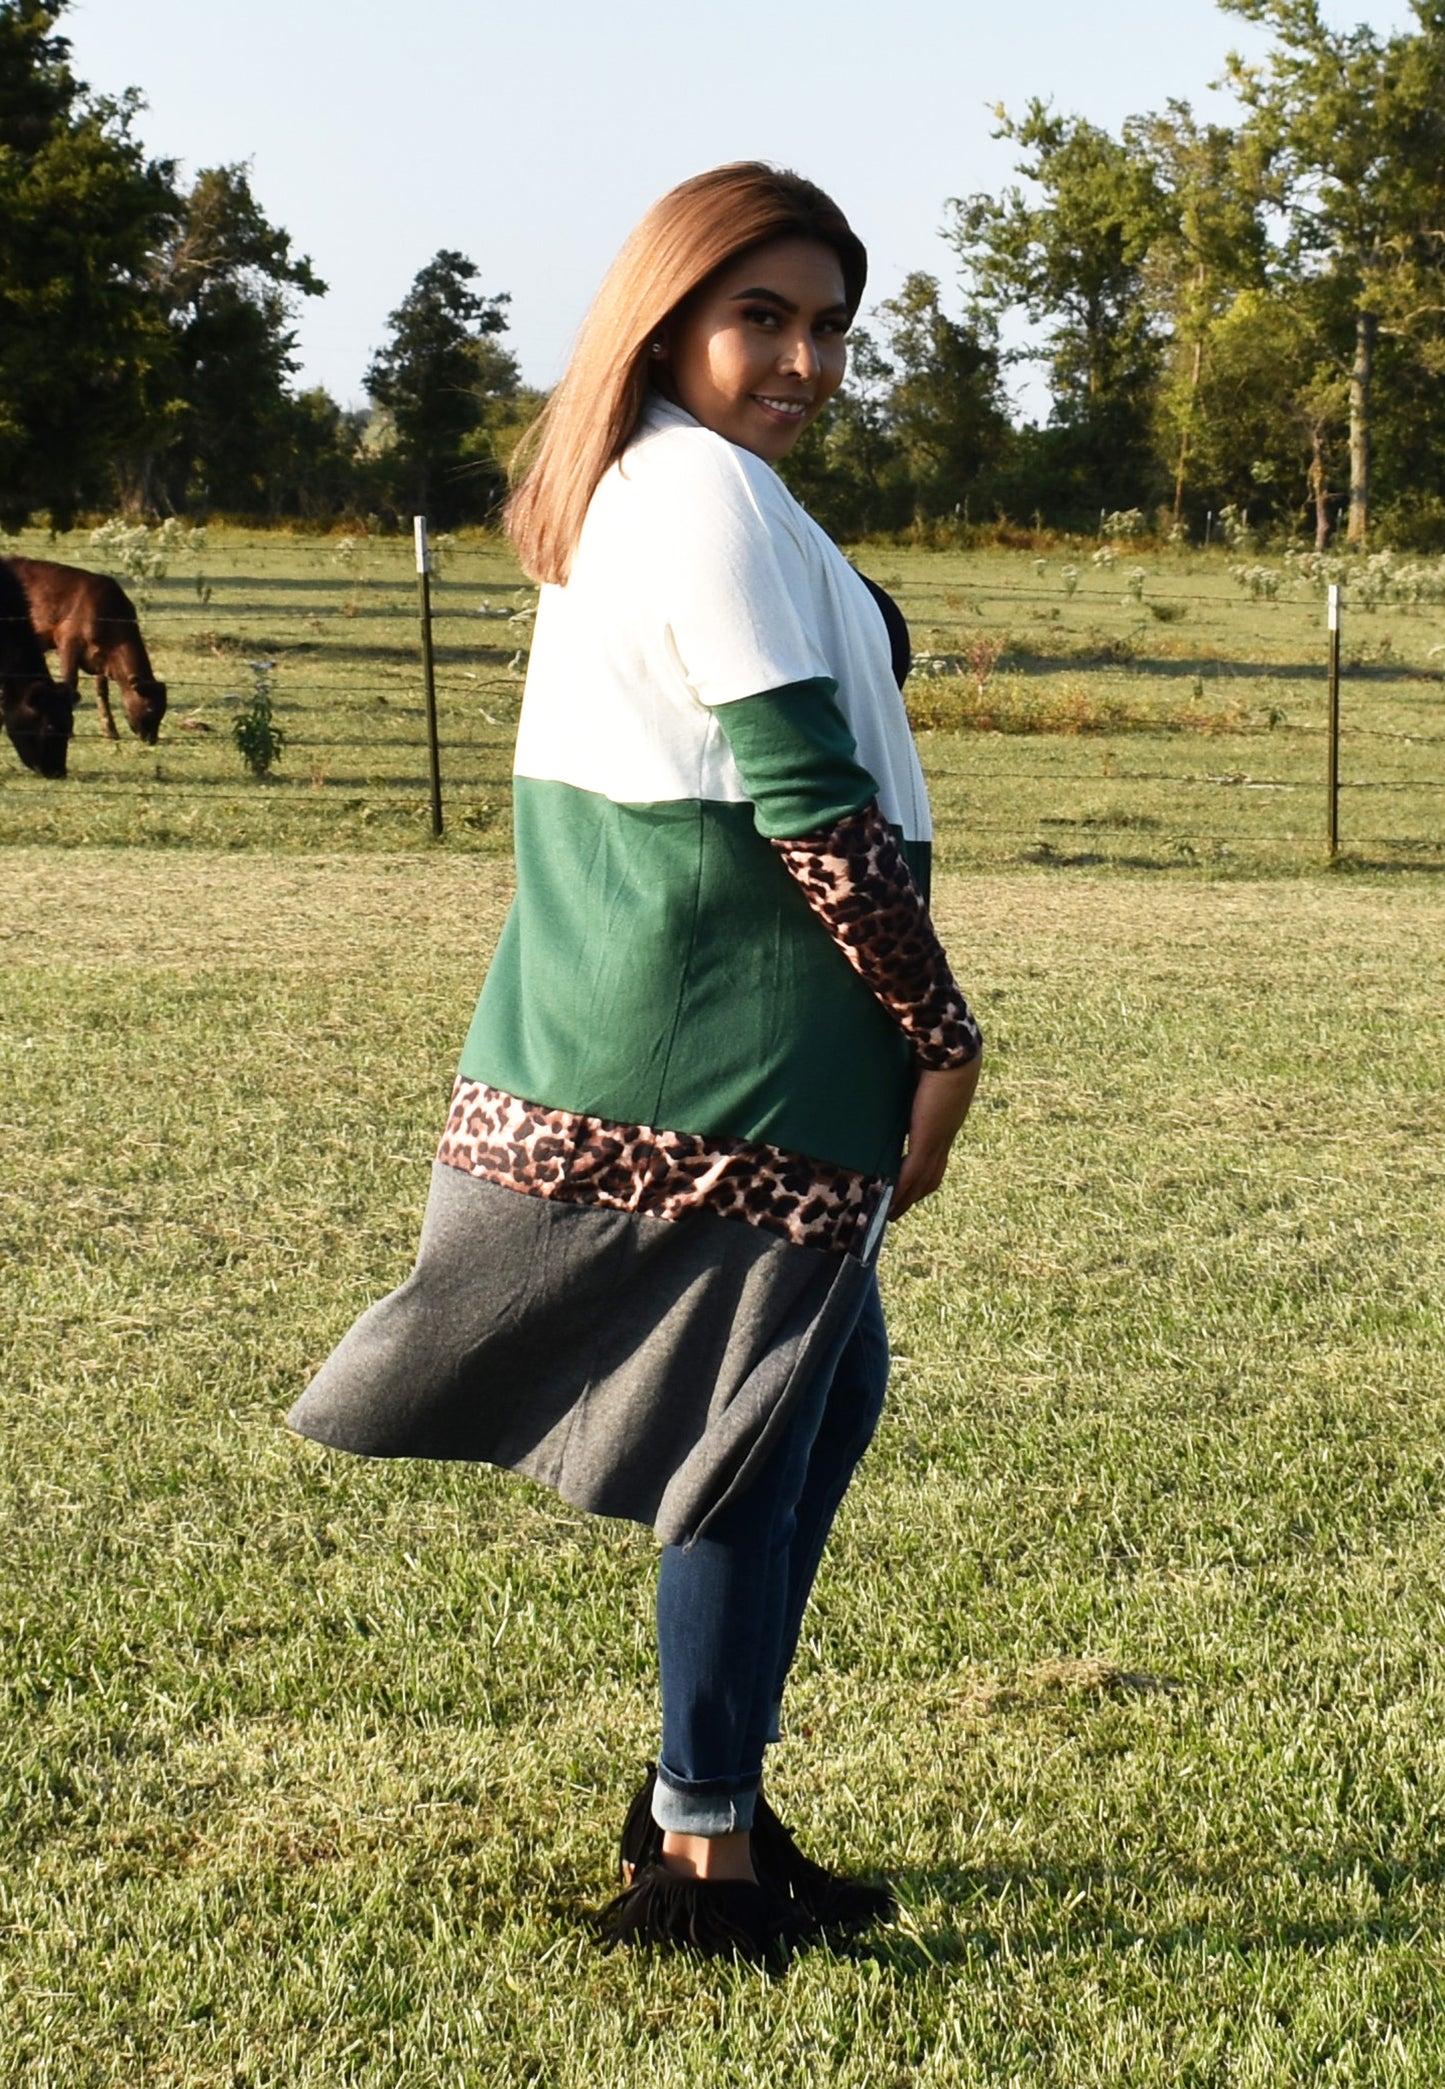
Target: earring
point(657, 348)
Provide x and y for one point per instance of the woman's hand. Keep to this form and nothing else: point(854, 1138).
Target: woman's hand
point(940, 1104)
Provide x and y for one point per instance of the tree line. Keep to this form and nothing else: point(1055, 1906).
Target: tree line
point(147, 335)
point(1243, 317)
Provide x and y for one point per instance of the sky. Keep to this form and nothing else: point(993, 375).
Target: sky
point(533, 137)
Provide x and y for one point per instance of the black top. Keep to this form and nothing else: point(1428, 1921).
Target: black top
point(898, 641)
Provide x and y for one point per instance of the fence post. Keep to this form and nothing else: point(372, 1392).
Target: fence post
point(418, 524)
point(1332, 788)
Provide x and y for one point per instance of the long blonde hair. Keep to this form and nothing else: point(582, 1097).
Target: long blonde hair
point(691, 232)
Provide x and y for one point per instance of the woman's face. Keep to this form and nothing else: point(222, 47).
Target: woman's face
point(760, 349)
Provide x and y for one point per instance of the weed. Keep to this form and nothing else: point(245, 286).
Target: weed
point(1261, 583)
point(142, 555)
point(982, 653)
point(353, 555)
point(1234, 528)
point(258, 738)
point(963, 704)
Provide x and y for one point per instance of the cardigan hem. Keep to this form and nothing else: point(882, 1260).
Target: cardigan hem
point(576, 1159)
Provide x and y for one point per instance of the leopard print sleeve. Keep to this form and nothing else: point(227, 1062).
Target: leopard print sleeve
point(856, 879)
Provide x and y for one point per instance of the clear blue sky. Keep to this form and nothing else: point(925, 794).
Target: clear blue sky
point(533, 136)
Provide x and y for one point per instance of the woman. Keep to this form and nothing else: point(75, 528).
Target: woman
point(717, 1012)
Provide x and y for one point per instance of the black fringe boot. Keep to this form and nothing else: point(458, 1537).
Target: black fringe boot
point(826, 1901)
point(717, 1918)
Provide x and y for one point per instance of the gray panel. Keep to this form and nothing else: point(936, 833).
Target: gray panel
point(638, 1365)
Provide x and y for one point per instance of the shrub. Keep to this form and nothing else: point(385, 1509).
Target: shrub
point(141, 554)
point(259, 740)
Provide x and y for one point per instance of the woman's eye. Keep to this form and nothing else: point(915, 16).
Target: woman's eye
point(761, 315)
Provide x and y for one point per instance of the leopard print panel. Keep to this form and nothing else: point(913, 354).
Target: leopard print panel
point(662, 1174)
point(856, 879)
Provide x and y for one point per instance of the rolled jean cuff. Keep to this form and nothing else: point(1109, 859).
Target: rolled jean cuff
point(714, 1806)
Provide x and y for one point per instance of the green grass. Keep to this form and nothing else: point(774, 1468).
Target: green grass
point(1102, 735)
point(1127, 1659)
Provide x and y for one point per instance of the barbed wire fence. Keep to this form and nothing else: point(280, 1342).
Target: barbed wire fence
point(338, 622)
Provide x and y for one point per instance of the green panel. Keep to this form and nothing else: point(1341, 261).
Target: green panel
point(659, 966)
point(918, 855)
point(797, 759)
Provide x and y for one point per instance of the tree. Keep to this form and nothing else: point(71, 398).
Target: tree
point(1407, 507)
point(1208, 244)
point(945, 407)
point(313, 469)
point(915, 426)
point(1074, 262)
point(82, 345)
point(1352, 130)
point(437, 378)
point(846, 468)
point(1269, 427)
point(225, 281)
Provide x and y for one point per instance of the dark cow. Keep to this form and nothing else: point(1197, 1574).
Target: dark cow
point(38, 712)
point(90, 621)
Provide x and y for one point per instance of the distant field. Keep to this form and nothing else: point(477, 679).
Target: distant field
point(1183, 728)
point(1128, 1661)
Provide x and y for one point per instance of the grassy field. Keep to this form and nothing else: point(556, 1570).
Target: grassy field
point(1126, 1663)
point(1179, 729)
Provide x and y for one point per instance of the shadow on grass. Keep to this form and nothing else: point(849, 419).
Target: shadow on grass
point(351, 655)
point(1034, 660)
point(1185, 857)
point(1241, 859)
point(333, 580)
point(1344, 864)
point(920, 1952)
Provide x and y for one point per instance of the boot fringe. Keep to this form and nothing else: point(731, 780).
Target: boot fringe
point(717, 1918)
point(825, 1898)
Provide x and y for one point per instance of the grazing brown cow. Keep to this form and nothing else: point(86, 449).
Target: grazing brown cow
point(90, 621)
point(38, 713)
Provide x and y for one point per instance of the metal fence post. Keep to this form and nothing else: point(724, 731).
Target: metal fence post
point(418, 524)
point(1333, 784)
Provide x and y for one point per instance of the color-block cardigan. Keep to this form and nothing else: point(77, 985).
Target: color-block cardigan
point(685, 1088)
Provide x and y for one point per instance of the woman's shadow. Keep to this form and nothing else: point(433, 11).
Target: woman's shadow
point(996, 1905)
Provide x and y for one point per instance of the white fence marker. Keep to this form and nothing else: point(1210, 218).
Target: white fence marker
point(1332, 787)
point(418, 526)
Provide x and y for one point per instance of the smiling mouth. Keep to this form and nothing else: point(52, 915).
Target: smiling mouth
point(794, 409)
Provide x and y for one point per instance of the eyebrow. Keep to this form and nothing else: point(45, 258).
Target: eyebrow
point(773, 297)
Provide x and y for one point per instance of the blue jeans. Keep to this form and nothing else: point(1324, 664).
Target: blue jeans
point(730, 1606)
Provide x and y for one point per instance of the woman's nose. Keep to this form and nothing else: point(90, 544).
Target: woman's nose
point(800, 356)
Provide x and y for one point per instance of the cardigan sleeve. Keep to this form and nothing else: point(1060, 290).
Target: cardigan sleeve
point(731, 578)
point(856, 879)
point(796, 757)
point(818, 807)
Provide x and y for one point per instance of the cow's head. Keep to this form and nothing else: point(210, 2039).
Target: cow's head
point(39, 716)
point(145, 707)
